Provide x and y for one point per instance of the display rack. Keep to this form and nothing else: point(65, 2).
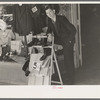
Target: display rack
point(53, 60)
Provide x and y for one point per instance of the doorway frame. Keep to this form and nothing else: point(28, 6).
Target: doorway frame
point(75, 19)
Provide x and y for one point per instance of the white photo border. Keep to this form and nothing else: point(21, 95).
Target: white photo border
point(76, 91)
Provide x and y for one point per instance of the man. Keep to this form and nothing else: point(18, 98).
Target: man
point(64, 34)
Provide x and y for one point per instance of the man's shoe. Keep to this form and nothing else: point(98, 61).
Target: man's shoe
point(43, 57)
point(27, 73)
point(33, 42)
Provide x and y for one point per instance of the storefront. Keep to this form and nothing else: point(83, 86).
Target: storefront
point(24, 16)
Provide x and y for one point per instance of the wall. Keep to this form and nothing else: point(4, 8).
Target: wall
point(65, 9)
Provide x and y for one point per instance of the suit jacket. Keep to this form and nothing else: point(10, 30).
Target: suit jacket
point(37, 19)
point(22, 20)
point(63, 30)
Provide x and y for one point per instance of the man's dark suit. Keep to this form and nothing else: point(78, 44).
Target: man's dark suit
point(64, 33)
point(22, 19)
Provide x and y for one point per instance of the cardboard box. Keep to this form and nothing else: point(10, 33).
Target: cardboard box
point(34, 79)
point(16, 46)
point(41, 76)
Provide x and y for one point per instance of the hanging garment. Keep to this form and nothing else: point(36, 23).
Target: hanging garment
point(39, 19)
point(36, 14)
point(22, 19)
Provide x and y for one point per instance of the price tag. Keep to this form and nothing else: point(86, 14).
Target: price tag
point(34, 9)
point(36, 66)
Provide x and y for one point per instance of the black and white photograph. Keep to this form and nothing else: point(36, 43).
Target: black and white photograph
point(49, 44)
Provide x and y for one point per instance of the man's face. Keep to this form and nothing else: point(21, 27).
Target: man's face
point(50, 13)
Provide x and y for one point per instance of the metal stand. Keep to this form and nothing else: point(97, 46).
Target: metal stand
point(53, 60)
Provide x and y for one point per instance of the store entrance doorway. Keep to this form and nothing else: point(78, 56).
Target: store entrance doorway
point(90, 31)
point(89, 74)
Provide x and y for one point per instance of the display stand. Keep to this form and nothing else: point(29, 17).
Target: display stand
point(53, 59)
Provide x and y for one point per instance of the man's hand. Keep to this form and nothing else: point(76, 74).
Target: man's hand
point(49, 39)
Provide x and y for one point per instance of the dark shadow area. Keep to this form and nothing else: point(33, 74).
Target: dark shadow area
point(89, 73)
